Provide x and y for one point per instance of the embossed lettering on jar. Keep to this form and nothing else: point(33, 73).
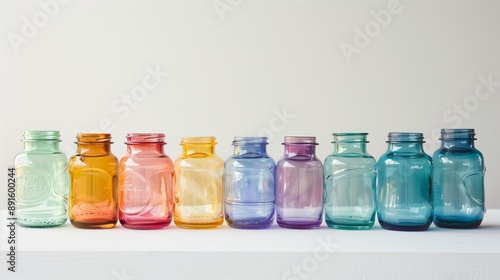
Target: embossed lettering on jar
point(145, 183)
point(93, 182)
point(42, 181)
point(458, 187)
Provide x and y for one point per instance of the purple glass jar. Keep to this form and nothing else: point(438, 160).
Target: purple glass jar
point(299, 185)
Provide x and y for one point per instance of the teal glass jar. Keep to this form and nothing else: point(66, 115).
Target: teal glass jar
point(350, 175)
point(42, 183)
point(404, 184)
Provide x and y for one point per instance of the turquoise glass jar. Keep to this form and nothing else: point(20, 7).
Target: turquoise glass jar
point(404, 184)
point(350, 180)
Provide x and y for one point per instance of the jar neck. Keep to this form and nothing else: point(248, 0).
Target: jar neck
point(349, 148)
point(198, 150)
point(406, 147)
point(94, 149)
point(300, 150)
point(42, 145)
point(457, 143)
point(254, 150)
point(149, 148)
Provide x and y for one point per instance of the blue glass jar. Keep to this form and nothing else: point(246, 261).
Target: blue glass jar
point(404, 184)
point(249, 184)
point(350, 176)
point(458, 187)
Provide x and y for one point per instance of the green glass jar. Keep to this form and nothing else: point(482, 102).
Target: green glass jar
point(41, 181)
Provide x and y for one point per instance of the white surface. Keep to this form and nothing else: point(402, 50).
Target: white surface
point(267, 254)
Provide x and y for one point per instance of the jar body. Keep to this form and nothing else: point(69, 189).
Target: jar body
point(249, 185)
point(404, 184)
point(93, 183)
point(458, 188)
point(42, 183)
point(299, 185)
point(350, 183)
point(145, 183)
point(198, 191)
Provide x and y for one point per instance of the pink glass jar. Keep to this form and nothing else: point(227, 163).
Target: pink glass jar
point(145, 183)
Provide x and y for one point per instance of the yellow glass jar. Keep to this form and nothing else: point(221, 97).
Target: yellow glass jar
point(93, 182)
point(198, 191)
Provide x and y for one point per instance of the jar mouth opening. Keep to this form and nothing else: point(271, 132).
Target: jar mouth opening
point(405, 137)
point(89, 138)
point(350, 137)
point(41, 135)
point(145, 138)
point(243, 140)
point(207, 140)
point(299, 140)
point(458, 134)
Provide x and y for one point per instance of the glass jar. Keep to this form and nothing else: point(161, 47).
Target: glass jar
point(350, 176)
point(404, 184)
point(145, 183)
point(458, 187)
point(93, 182)
point(299, 185)
point(249, 184)
point(198, 191)
point(41, 181)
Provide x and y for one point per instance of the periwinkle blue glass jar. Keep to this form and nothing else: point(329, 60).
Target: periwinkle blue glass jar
point(350, 176)
point(249, 184)
point(404, 184)
point(458, 187)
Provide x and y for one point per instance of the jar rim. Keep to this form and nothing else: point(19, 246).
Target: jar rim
point(93, 138)
point(300, 140)
point(249, 140)
point(362, 136)
point(458, 133)
point(145, 138)
point(41, 135)
point(402, 137)
point(209, 140)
